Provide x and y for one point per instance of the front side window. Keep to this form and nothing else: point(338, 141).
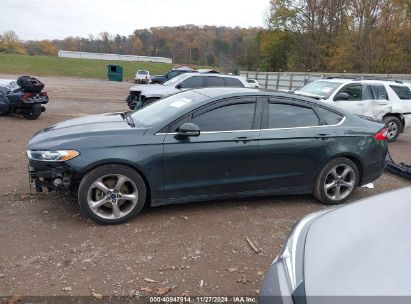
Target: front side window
point(353, 91)
point(290, 116)
point(193, 82)
point(231, 117)
point(212, 81)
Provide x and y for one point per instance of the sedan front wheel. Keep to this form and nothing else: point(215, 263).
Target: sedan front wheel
point(337, 181)
point(112, 194)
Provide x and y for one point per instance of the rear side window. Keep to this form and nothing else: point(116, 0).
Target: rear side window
point(227, 118)
point(290, 116)
point(377, 92)
point(213, 81)
point(232, 82)
point(193, 82)
point(329, 117)
point(402, 92)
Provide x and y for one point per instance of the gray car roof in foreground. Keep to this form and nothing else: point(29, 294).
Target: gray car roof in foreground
point(362, 249)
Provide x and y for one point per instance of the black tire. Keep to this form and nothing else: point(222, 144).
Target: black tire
point(31, 115)
point(86, 185)
point(330, 197)
point(394, 126)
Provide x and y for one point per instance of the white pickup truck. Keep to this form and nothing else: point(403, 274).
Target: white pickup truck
point(386, 101)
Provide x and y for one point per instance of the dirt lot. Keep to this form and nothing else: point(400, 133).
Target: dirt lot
point(48, 248)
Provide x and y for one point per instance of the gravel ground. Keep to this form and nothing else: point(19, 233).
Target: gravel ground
point(48, 248)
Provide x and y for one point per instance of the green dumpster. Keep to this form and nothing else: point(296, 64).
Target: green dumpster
point(115, 72)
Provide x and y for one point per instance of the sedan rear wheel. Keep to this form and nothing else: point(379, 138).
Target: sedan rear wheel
point(112, 194)
point(337, 181)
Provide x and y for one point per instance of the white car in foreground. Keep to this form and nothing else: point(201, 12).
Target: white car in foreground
point(142, 76)
point(385, 101)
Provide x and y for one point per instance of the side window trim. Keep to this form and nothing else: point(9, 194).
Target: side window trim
point(218, 104)
point(270, 100)
point(222, 103)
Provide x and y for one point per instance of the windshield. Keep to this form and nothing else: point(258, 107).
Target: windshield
point(320, 88)
point(142, 72)
point(165, 109)
point(175, 80)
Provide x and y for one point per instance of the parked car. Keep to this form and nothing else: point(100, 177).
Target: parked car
point(160, 79)
point(142, 76)
point(205, 144)
point(9, 84)
point(386, 101)
point(358, 253)
point(253, 83)
point(142, 95)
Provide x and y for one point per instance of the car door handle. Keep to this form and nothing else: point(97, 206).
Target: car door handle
point(242, 139)
point(360, 104)
point(383, 103)
point(322, 136)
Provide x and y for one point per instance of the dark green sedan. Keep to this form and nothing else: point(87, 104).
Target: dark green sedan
point(207, 144)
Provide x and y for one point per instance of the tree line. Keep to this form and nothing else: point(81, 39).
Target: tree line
point(370, 36)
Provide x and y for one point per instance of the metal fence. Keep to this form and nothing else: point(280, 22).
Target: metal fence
point(295, 80)
point(102, 56)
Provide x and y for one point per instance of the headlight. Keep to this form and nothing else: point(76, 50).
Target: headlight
point(293, 251)
point(52, 156)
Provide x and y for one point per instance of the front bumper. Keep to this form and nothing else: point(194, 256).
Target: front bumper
point(50, 175)
point(275, 287)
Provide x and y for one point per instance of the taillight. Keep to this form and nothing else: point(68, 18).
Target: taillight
point(381, 135)
point(43, 93)
point(27, 95)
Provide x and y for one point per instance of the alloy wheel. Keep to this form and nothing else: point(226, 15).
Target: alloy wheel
point(112, 196)
point(339, 182)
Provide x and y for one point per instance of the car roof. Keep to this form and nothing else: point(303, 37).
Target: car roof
point(227, 92)
point(224, 92)
point(367, 81)
point(212, 75)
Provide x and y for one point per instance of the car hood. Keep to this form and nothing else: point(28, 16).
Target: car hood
point(80, 128)
point(361, 249)
point(155, 90)
point(318, 97)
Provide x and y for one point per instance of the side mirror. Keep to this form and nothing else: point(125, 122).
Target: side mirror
point(188, 130)
point(179, 86)
point(341, 96)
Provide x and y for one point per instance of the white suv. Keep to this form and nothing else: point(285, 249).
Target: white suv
point(385, 101)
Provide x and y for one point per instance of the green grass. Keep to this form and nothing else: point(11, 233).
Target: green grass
point(89, 68)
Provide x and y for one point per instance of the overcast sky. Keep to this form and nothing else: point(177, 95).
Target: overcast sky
point(48, 19)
